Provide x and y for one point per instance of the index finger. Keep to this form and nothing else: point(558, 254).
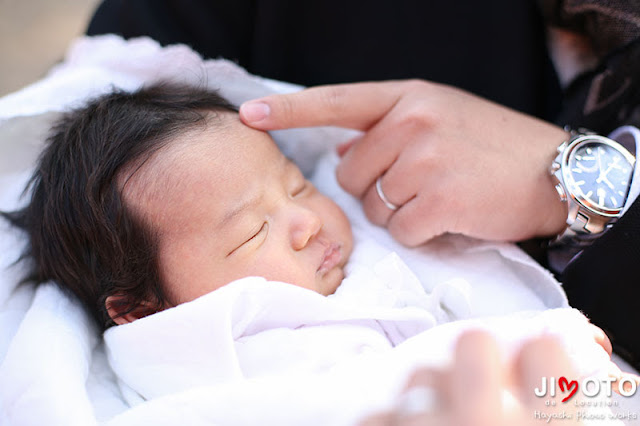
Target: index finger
point(355, 106)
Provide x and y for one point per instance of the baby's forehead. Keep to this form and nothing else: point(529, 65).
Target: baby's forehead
point(222, 151)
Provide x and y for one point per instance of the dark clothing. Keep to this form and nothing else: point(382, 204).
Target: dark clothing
point(494, 48)
point(477, 47)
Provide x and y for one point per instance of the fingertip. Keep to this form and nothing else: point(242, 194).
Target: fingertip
point(401, 230)
point(602, 339)
point(254, 112)
point(403, 227)
point(348, 177)
point(546, 347)
point(477, 352)
point(474, 345)
point(473, 338)
point(343, 147)
point(538, 358)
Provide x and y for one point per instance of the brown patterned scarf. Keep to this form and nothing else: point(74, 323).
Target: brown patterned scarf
point(607, 95)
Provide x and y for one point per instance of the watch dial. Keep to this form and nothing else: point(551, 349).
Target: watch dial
point(600, 174)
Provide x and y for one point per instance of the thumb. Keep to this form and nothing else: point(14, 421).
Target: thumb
point(356, 106)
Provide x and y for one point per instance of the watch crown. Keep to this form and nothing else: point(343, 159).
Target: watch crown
point(561, 192)
point(554, 167)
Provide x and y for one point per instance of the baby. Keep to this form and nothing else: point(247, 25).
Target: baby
point(146, 200)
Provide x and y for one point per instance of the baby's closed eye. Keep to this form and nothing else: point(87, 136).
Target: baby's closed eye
point(255, 236)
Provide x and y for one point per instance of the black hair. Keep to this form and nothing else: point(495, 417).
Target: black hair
point(82, 235)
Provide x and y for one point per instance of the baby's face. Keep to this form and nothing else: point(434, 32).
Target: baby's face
point(229, 205)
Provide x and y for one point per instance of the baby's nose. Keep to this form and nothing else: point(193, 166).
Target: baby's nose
point(305, 224)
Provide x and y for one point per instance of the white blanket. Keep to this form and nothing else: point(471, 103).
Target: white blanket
point(302, 358)
point(253, 352)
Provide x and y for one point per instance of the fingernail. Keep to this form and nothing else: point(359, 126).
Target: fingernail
point(255, 111)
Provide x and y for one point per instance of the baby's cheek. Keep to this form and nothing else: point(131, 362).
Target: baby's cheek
point(336, 213)
point(344, 225)
point(274, 265)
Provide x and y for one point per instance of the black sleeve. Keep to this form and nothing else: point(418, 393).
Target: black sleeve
point(215, 29)
point(477, 46)
point(604, 283)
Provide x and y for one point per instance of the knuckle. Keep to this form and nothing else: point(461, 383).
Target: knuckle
point(285, 107)
point(334, 98)
point(423, 160)
point(416, 84)
point(417, 117)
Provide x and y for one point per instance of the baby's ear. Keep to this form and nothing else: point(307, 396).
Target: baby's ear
point(119, 309)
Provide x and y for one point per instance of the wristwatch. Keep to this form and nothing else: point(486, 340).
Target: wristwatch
point(592, 175)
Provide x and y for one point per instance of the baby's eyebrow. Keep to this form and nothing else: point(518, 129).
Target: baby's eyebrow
point(254, 199)
point(240, 208)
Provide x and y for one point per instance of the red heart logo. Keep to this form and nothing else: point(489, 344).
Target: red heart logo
point(571, 386)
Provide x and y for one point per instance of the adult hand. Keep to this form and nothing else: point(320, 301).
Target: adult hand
point(471, 391)
point(452, 161)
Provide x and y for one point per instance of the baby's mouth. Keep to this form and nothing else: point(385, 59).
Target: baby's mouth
point(331, 258)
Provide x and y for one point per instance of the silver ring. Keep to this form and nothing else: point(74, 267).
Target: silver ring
point(383, 197)
point(417, 400)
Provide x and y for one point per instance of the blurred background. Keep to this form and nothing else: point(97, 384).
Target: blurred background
point(34, 35)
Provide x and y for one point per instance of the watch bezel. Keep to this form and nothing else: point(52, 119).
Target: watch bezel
point(567, 176)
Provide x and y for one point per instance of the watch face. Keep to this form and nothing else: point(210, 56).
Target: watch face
point(599, 172)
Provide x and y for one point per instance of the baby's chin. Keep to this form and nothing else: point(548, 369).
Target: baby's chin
point(331, 281)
